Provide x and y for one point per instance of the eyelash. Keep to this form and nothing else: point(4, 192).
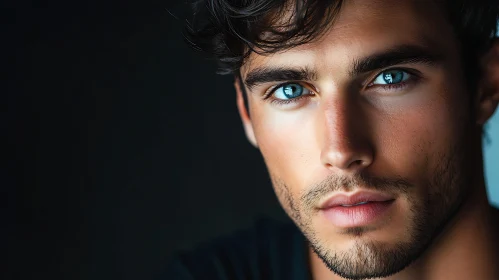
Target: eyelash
point(389, 87)
point(287, 101)
point(276, 101)
point(413, 77)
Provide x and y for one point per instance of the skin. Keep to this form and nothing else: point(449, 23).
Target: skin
point(348, 134)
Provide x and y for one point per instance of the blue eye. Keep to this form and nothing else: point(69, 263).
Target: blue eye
point(391, 77)
point(290, 91)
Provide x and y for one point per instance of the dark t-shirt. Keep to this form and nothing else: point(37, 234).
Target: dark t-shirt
point(271, 250)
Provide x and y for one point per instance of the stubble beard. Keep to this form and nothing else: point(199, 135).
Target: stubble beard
point(368, 259)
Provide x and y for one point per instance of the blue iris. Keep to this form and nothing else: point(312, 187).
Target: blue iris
point(390, 77)
point(289, 91)
point(393, 76)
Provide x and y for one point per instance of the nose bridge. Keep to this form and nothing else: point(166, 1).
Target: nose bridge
point(337, 127)
point(344, 144)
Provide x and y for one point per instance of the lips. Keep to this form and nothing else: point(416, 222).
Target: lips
point(356, 199)
point(357, 210)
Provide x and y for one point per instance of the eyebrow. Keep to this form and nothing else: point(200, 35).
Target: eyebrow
point(278, 74)
point(399, 55)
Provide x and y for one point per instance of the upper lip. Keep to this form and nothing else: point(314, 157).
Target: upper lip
point(358, 197)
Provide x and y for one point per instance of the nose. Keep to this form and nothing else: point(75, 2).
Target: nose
point(344, 133)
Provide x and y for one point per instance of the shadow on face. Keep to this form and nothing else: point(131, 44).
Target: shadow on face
point(377, 109)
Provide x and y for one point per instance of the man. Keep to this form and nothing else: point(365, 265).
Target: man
point(369, 117)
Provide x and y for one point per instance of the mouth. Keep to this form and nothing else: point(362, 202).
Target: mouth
point(360, 203)
point(358, 198)
point(359, 209)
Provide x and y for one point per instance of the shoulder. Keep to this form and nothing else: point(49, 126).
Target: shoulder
point(255, 253)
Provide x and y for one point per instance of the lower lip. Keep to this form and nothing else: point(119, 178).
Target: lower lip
point(356, 216)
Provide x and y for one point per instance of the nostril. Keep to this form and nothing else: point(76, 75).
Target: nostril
point(346, 159)
point(357, 163)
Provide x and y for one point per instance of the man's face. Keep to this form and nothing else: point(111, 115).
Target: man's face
point(376, 112)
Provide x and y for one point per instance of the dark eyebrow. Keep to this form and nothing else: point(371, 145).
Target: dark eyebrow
point(278, 74)
point(398, 55)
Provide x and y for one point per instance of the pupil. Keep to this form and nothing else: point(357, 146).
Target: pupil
point(292, 91)
point(393, 77)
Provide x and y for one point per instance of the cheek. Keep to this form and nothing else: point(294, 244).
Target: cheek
point(414, 139)
point(288, 145)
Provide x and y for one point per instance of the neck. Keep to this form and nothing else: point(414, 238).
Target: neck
point(467, 248)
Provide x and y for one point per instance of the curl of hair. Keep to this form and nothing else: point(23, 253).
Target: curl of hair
point(229, 30)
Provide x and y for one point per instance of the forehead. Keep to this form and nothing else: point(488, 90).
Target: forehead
point(364, 27)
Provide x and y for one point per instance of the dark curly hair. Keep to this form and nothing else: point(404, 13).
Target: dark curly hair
point(229, 30)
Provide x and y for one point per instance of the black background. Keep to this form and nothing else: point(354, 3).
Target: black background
point(123, 144)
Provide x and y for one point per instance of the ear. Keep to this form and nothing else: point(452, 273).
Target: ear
point(488, 92)
point(244, 114)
